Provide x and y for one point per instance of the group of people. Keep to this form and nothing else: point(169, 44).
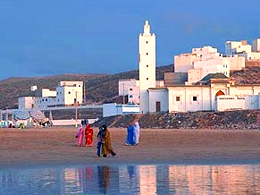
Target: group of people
point(104, 145)
point(86, 131)
point(133, 134)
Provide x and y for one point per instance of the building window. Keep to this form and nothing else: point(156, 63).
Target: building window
point(194, 98)
point(178, 98)
point(130, 96)
point(69, 92)
point(147, 78)
point(146, 42)
point(131, 89)
point(147, 54)
point(147, 66)
point(43, 100)
point(46, 100)
point(79, 85)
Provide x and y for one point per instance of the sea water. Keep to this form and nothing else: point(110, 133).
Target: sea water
point(132, 179)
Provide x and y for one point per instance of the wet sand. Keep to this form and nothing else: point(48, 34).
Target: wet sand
point(57, 146)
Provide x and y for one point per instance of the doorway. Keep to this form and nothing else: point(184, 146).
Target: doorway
point(158, 106)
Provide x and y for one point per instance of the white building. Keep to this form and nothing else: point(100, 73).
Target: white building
point(203, 97)
point(237, 47)
point(147, 66)
point(206, 60)
point(67, 93)
point(203, 68)
point(26, 102)
point(256, 45)
point(129, 88)
point(45, 93)
point(242, 48)
point(208, 83)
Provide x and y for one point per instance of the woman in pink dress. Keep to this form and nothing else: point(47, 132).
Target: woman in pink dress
point(80, 135)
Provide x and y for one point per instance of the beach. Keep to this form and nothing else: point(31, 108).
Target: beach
point(58, 145)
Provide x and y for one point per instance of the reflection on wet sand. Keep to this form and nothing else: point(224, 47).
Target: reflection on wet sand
point(134, 179)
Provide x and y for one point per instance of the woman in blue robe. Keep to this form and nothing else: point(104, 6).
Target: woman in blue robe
point(130, 138)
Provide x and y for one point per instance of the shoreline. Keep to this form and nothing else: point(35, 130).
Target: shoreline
point(57, 146)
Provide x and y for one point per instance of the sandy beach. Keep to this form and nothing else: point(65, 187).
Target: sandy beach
point(57, 146)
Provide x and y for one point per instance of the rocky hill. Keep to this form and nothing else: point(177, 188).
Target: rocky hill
point(242, 119)
point(99, 87)
point(250, 75)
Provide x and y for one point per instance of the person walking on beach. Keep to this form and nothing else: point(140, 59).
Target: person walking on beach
point(106, 142)
point(137, 132)
point(80, 134)
point(130, 137)
point(99, 141)
point(88, 135)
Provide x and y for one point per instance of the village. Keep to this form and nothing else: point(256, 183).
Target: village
point(199, 81)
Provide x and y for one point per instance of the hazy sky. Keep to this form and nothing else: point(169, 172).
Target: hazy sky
point(39, 38)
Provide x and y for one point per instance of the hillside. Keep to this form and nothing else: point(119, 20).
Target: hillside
point(12, 88)
point(99, 87)
point(250, 75)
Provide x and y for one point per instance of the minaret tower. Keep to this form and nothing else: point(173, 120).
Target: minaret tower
point(147, 66)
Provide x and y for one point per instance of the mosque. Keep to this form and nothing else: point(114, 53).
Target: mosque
point(200, 81)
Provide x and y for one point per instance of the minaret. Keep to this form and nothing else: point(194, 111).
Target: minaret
point(147, 66)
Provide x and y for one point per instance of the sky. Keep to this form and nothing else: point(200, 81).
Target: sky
point(51, 37)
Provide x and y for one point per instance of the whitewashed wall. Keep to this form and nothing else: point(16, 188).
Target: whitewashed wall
point(184, 62)
point(125, 85)
point(237, 102)
point(184, 98)
point(158, 95)
point(44, 102)
point(26, 102)
point(113, 109)
point(236, 62)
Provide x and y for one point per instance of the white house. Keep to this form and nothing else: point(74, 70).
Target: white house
point(256, 45)
point(237, 47)
point(129, 88)
point(203, 68)
point(26, 102)
point(67, 93)
point(242, 48)
point(206, 60)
